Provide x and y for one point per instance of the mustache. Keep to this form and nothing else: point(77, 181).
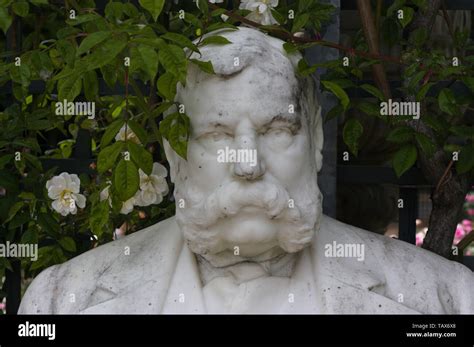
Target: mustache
point(231, 198)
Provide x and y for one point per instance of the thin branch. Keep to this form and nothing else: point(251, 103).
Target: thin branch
point(443, 178)
point(283, 34)
point(371, 36)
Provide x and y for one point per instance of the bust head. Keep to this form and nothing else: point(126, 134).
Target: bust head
point(249, 184)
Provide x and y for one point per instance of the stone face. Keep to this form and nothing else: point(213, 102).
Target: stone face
point(250, 236)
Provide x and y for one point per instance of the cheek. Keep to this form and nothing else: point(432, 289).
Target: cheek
point(287, 165)
point(204, 170)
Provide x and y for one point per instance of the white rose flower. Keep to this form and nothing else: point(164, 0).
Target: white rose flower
point(64, 190)
point(152, 187)
point(127, 206)
point(130, 135)
point(261, 10)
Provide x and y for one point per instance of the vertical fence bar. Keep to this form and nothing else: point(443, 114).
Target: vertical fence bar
point(407, 214)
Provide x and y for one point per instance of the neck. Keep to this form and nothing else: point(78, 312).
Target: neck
point(281, 265)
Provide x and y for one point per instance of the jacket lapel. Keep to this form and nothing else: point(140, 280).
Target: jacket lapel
point(138, 283)
point(346, 285)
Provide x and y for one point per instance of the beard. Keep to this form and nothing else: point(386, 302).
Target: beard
point(204, 213)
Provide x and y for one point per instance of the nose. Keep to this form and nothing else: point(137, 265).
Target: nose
point(251, 166)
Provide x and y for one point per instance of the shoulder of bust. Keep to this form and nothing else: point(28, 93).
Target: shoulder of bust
point(79, 275)
point(409, 269)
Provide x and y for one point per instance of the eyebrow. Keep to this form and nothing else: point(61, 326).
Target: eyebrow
point(293, 122)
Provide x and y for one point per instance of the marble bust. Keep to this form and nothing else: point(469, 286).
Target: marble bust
point(250, 236)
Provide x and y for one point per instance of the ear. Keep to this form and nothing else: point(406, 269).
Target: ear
point(310, 105)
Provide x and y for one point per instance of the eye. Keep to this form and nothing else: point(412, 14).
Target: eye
point(279, 132)
point(278, 138)
point(217, 136)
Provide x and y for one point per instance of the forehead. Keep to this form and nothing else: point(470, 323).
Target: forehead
point(254, 93)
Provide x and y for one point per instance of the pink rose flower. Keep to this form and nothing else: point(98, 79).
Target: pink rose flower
point(467, 225)
point(419, 238)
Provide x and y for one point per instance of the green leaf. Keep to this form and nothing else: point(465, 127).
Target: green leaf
point(106, 52)
point(19, 219)
point(141, 157)
point(114, 10)
point(369, 108)
point(108, 156)
point(110, 75)
point(150, 60)
point(14, 210)
point(176, 129)
point(351, 133)
point(466, 159)
point(299, 22)
point(153, 6)
point(425, 143)
point(181, 40)
point(205, 66)
point(69, 88)
point(167, 86)
point(401, 134)
point(34, 161)
point(290, 48)
point(84, 18)
point(418, 36)
point(5, 19)
point(92, 40)
point(27, 196)
point(138, 130)
point(203, 7)
point(99, 217)
point(91, 85)
point(215, 40)
point(48, 223)
point(447, 102)
point(338, 91)
point(173, 59)
point(404, 159)
point(280, 18)
point(397, 4)
point(67, 243)
point(422, 92)
point(21, 8)
point(407, 16)
point(334, 112)
point(111, 131)
point(372, 90)
point(30, 236)
point(126, 179)
point(304, 69)
point(415, 80)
